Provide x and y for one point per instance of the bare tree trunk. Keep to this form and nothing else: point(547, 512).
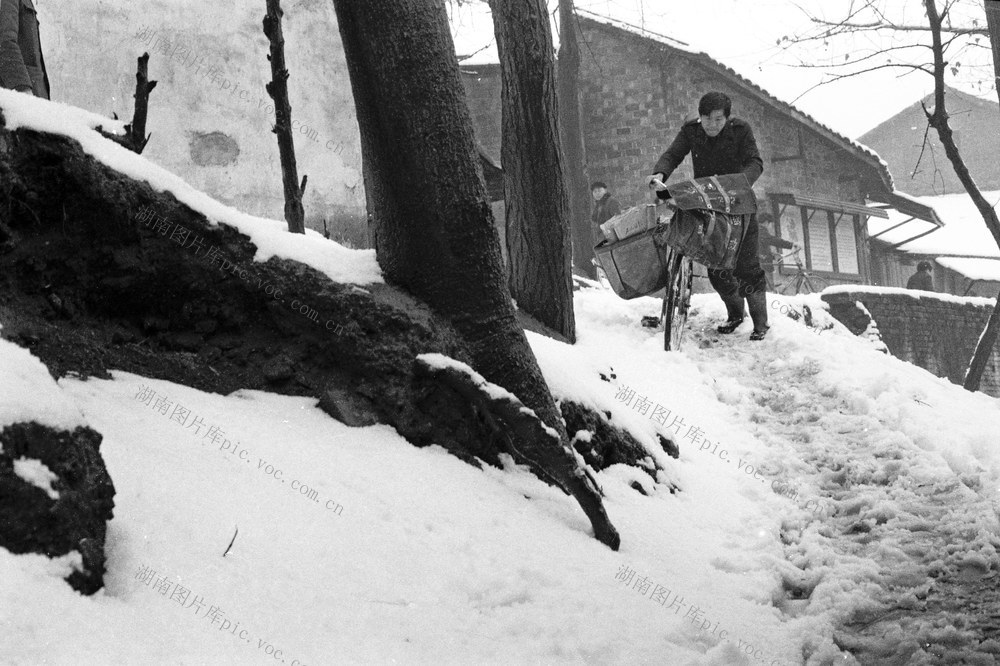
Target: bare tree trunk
point(938, 119)
point(136, 130)
point(982, 354)
point(574, 150)
point(428, 210)
point(537, 208)
point(278, 90)
point(135, 137)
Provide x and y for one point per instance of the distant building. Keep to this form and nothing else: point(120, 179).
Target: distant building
point(964, 254)
point(976, 126)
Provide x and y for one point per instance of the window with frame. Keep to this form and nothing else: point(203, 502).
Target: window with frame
point(828, 238)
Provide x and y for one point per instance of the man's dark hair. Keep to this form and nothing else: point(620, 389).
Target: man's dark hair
point(596, 184)
point(715, 101)
point(924, 266)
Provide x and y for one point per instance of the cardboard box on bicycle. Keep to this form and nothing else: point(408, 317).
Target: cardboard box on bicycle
point(630, 222)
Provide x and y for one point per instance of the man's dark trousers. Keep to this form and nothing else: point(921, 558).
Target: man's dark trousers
point(746, 280)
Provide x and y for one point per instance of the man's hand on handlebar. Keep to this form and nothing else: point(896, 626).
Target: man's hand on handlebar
point(656, 181)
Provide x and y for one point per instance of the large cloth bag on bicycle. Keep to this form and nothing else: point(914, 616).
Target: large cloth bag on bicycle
point(636, 266)
point(707, 236)
point(711, 218)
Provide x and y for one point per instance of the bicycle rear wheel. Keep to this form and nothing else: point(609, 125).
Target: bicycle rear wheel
point(677, 301)
point(814, 284)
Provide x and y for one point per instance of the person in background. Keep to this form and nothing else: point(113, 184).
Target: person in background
point(721, 145)
point(765, 242)
point(922, 278)
point(21, 65)
point(605, 207)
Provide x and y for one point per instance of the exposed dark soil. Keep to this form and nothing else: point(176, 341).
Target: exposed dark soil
point(90, 282)
point(76, 518)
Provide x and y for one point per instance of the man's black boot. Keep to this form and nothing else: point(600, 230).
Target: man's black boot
point(734, 309)
point(757, 301)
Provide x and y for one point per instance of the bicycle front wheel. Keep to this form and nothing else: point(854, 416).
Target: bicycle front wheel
point(677, 301)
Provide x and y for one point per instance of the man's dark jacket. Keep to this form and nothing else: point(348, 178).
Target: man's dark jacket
point(605, 209)
point(21, 63)
point(733, 150)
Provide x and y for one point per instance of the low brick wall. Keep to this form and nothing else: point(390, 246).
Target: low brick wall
point(937, 332)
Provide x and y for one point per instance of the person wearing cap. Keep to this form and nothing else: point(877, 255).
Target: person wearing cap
point(922, 278)
point(605, 207)
point(22, 67)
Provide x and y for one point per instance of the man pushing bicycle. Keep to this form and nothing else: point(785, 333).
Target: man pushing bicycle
point(719, 145)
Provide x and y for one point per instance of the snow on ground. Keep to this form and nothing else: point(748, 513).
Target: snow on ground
point(37, 474)
point(29, 394)
point(271, 237)
point(355, 547)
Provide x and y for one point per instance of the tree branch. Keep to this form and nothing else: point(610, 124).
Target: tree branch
point(848, 63)
point(896, 27)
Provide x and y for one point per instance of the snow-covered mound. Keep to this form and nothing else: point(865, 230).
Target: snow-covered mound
point(815, 472)
point(270, 236)
point(820, 480)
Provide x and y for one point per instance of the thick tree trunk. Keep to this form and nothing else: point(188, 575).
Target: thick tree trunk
point(938, 119)
point(430, 218)
point(537, 208)
point(574, 150)
point(278, 90)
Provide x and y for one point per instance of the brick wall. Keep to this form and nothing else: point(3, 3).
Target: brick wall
point(938, 333)
point(636, 94)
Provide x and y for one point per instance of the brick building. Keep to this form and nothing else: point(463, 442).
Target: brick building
point(925, 170)
point(638, 88)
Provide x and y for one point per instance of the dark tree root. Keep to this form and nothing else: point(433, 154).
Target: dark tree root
point(538, 446)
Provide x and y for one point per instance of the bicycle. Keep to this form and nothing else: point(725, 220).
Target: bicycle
point(676, 298)
point(801, 278)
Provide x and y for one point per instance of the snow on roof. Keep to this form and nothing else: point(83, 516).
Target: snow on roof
point(271, 237)
point(964, 233)
point(974, 268)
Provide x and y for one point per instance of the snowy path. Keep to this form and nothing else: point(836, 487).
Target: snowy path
point(888, 519)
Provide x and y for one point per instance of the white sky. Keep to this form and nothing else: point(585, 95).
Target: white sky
point(744, 36)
